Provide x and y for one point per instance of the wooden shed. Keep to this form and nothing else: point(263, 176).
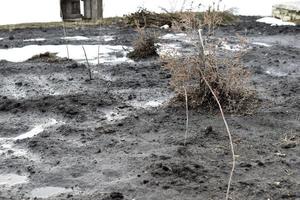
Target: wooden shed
point(71, 9)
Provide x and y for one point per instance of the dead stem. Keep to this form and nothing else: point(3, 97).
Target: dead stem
point(224, 119)
point(87, 61)
point(187, 116)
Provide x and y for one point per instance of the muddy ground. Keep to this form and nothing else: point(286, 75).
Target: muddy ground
point(117, 137)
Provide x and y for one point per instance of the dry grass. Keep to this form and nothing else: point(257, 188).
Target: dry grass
point(144, 46)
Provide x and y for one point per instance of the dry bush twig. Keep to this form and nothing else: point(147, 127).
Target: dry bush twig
point(89, 67)
point(65, 32)
point(187, 116)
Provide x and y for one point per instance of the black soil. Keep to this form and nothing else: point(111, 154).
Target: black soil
point(137, 152)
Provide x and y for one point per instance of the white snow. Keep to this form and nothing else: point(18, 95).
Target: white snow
point(261, 44)
point(275, 22)
point(1, 39)
point(12, 179)
point(75, 38)
point(35, 40)
point(166, 27)
point(174, 36)
point(106, 54)
point(108, 38)
point(36, 130)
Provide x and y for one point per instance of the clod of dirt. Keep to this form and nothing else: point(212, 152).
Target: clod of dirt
point(46, 57)
point(11, 37)
point(289, 145)
point(115, 196)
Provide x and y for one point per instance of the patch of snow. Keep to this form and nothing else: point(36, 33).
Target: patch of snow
point(12, 179)
point(232, 47)
point(75, 38)
point(108, 38)
point(46, 192)
point(1, 39)
point(166, 50)
point(36, 130)
point(275, 22)
point(261, 44)
point(173, 36)
point(35, 40)
point(276, 73)
point(107, 54)
point(166, 27)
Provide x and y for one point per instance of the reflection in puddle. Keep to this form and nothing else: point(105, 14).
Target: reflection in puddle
point(36, 130)
point(46, 192)
point(35, 40)
point(108, 53)
point(12, 179)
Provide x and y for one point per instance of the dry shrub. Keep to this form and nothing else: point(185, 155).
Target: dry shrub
point(227, 77)
point(146, 18)
point(144, 46)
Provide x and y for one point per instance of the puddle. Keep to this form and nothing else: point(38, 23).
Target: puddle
point(46, 192)
point(108, 53)
point(261, 44)
point(12, 179)
point(75, 38)
point(35, 40)
point(36, 130)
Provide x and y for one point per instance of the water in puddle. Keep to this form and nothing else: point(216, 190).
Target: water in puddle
point(46, 192)
point(36, 130)
point(12, 179)
point(107, 53)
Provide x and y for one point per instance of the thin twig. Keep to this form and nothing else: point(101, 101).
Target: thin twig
point(87, 61)
point(224, 119)
point(98, 54)
point(65, 32)
point(187, 115)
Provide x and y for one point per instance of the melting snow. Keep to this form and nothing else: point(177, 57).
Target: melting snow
point(1, 39)
point(172, 36)
point(12, 179)
point(275, 22)
point(108, 53)
point(36, 130)
point(262, 44)
point(35, 40)
point(76, 38)
point(46, 192)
